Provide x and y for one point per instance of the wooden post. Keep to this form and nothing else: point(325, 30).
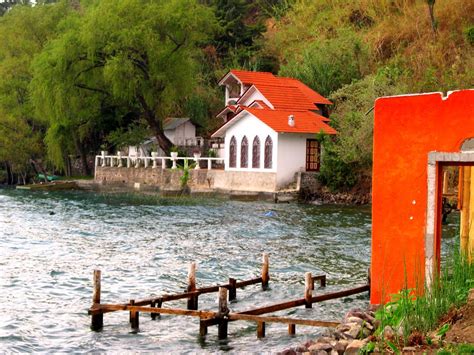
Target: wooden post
point(193, 300)
point(134, 317)
point(265, 271)
point(465, 213)
point(291, 329)
point(232, 289)
point(322, 282)
point(308, 290)
point(470, 242)
point(202, 328)
point(445, 182)
point(260, 330)
point(97, 321)
point(222, 313)
point(158, 304)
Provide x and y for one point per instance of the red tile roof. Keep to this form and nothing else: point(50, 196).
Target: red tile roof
point(305, 121)
point(290, 86)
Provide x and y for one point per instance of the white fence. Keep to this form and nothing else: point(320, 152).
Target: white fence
point(154, 161)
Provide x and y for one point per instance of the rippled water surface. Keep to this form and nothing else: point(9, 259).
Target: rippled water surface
point(51, 243)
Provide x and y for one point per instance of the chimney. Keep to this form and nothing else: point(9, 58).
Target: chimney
point(291, 120)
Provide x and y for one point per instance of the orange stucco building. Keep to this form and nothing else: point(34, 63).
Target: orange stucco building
point(414, 136)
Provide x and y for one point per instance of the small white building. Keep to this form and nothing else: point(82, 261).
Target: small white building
point(180, 131)
point(270, 126)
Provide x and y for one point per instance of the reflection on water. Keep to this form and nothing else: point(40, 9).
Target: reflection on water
point(51, 242)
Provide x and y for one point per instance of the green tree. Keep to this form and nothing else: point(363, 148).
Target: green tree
point(25, 30)
point(117, 61)
point(328, 64)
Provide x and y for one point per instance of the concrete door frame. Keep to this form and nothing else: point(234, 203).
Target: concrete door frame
point(435, 160)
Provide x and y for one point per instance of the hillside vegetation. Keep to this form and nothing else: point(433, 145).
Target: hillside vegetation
point(83, 75)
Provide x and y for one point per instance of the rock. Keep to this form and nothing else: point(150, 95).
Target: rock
point(355, 346)
point(320, 346)
point(343, 327)
point(388, 332)
point(326, 340)
point(288, 352)
point(300, 349)
point(333, 352)
point(319, 352)
point(400, 331)
point(355, 320)
point(366, 316)
point(368, 326)
point(341, 346)
point(343, 336)
point(309, 343)
point(355, 330)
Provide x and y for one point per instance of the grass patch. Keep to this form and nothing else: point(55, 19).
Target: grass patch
point(409, 315)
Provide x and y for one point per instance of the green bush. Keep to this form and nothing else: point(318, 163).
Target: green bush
point(470, 34)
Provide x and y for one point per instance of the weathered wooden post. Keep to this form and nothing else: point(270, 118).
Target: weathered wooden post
point(322, 282)
point(97, 321)
point(192, 300)
point(308, 290)
point(465, 210)
point(134, 317)
point(155, 303)
point(291, 329)
point(202, 328)
point(260, 330)
point(222, 313)
point(265, 271)
point(232, 289)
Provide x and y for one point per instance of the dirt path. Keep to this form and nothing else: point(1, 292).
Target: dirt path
point(463, 330)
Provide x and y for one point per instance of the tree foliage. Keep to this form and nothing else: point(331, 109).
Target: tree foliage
point(25, 30)
point(119, 60)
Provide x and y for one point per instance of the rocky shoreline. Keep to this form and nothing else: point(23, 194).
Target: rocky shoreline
point(349, 337)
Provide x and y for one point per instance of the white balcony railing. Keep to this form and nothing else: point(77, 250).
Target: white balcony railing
point(121, 161)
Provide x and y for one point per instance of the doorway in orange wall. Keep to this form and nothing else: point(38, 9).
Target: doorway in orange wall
point(443, 195)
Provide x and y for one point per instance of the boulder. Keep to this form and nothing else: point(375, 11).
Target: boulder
point(320, 346)
point(388, 332)
point(355, 346)
point(355, 330)
point(341, 346)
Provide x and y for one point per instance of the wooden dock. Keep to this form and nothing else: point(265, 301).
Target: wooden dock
point(222, 316)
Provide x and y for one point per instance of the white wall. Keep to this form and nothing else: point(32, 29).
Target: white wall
point(183, 132)
point(291, 156)
point(255, 95)
point(251, 126)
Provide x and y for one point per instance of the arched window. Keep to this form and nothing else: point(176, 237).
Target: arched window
point(233, 152)
point(268, 153)
point(244, 153)
point(256, 153)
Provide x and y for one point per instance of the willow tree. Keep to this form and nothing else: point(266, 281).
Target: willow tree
point(121, 58)
point(25, 30)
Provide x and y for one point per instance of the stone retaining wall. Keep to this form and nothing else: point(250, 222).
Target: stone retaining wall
point(199, 180)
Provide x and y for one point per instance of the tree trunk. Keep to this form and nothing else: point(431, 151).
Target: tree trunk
point(156, 126)
point(38, 166)
point(9, 173)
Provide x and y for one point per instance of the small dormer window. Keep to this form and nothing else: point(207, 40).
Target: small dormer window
point(234, 90)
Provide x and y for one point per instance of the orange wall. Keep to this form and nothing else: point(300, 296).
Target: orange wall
point(406, 129)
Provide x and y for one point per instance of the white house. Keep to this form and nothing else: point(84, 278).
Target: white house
point(180, 131)
point(270, 125)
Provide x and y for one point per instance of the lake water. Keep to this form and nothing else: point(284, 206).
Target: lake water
point(50, 243)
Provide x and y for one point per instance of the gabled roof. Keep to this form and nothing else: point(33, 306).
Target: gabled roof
point(174, 122)
point(248, 77)
point(305, 121)
point(287, 86)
